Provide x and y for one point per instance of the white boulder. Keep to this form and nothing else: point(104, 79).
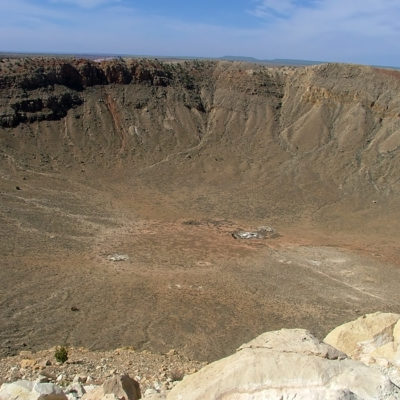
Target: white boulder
point(25, 390)
point(285, 365)
point(373, 339)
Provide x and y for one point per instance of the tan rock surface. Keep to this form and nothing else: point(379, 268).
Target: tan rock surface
point(266, 369)
point(396, 332)
point(28, 363)
point(293, 340)
point(363, 335)
point(94, 394)
point(122, 387)
point(372, 339)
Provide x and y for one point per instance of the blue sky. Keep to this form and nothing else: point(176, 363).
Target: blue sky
point(359, 31)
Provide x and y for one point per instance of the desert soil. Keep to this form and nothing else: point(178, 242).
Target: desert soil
point(164, 175)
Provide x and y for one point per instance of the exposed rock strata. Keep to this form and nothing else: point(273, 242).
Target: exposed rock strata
point(286, 364)
point(345, 115)
point(67, 79)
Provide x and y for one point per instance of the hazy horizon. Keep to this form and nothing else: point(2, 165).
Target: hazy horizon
point(363, 32)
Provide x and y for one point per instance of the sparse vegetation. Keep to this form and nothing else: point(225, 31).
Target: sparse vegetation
point(61, 354)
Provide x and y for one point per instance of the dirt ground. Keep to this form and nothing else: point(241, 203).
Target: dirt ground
point(162, 166)
point(188, 284)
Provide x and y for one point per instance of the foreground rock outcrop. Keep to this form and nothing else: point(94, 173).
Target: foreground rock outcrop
point(280, 365)
point(373, 339)
point(286, 364)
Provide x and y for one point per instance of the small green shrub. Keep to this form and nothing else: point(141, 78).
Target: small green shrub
point(61, 354)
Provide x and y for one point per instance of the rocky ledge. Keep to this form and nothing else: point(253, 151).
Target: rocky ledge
point(358, 360)
point(38, 89)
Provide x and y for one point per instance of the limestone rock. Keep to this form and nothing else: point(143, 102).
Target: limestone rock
point(373, 339)
point(364, 335)
point(76, 388)
point(27, 363)
point(118, 387)
point(294, 340)
point(95, 394)
point(25, 390)
point(154, 396)
point(90, 388)
point(396, 332)
point(150, 392)
point(123, 387)
point(48, 391)
point(112, 396)
point(284, 365)
point(20, 390)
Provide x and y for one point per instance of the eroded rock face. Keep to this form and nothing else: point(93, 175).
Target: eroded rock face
point(373, 339)
point(286, 364)
point(51, 88)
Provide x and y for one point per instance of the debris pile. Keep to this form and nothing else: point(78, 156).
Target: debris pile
point(118, 257)
point(263, 232)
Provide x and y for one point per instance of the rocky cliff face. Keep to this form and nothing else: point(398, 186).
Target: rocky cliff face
point(331, 126)
point(36, 77)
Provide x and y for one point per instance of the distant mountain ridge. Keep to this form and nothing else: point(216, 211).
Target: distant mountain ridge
point(109, 56)
point(275, 61)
